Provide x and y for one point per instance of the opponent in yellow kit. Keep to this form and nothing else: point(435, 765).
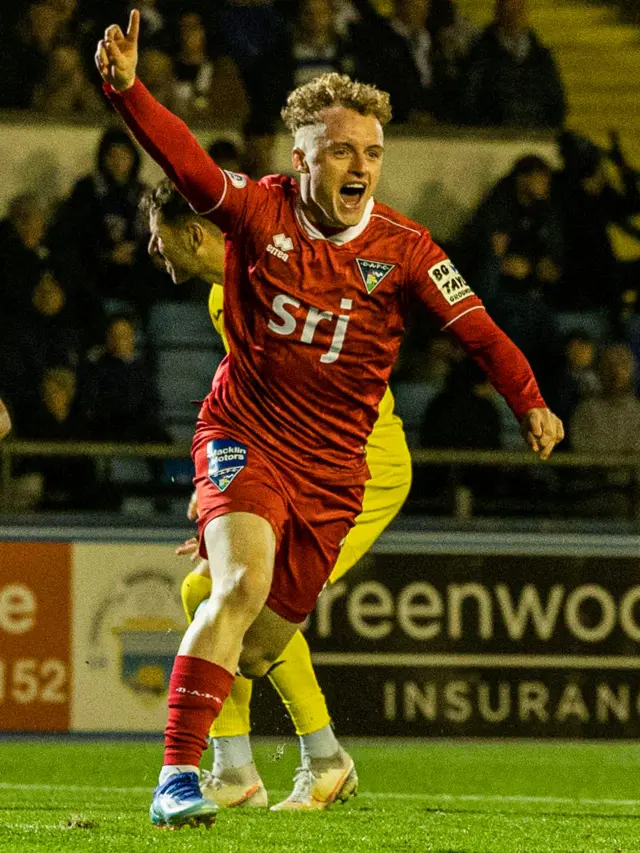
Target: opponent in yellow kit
point(292, 675)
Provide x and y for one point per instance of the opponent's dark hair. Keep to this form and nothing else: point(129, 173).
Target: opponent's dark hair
point(166, 198)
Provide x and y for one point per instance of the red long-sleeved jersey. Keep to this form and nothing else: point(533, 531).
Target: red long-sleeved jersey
point(314, 323)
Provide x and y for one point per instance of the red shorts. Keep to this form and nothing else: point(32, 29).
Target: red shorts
point(309, 518)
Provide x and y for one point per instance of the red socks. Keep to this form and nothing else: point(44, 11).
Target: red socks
point(197, 691)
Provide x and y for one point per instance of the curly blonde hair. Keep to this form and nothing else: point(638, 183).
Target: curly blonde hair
point(333, 90)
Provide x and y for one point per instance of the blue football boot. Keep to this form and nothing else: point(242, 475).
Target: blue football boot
point(178, 802)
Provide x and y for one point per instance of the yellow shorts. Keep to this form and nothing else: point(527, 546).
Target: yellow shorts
point(389, 464)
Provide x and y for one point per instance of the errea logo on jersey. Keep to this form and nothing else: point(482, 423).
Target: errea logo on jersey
point(280, 246)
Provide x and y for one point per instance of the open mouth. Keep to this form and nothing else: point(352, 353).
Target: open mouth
point(352, 194)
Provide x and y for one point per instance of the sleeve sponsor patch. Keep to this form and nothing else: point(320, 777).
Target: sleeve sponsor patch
point(237, 180)
point(449, 282)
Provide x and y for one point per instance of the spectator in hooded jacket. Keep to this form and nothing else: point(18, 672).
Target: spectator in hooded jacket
point(25, 53)
point(591, 203)
point(102, 222)
point(415, 55)
point(511, 79)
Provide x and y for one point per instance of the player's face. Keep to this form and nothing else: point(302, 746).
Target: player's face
point(340, 166)
point(172, 243)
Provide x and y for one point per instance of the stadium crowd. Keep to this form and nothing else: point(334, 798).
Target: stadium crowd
point(76, 360)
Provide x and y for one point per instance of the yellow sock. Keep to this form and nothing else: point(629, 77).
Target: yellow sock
point(194, 590)
point(234, 718)
point(294, 678)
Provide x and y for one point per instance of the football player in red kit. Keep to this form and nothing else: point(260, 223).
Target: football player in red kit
point(319, 279)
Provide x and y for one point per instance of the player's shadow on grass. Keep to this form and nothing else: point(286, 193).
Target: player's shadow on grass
point(529, 813)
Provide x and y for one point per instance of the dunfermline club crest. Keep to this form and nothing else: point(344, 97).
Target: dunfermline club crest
point(143, 615)
point(147, 650)
point(373, 272)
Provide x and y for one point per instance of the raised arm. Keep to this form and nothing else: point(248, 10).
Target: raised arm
point(163, 135)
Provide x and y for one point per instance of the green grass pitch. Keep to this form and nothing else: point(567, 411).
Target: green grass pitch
point(445, 797)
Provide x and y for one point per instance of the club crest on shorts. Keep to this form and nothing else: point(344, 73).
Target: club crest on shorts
point(373, 272)
point(227, 458)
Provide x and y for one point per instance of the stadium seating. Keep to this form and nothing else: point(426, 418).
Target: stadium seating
point(594, 323)
point(412, 398)
point(187, 353)
point(181, 324)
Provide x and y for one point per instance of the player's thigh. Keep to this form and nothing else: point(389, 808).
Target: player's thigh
point(264, 642)
point(242, 511)
point(241, 548)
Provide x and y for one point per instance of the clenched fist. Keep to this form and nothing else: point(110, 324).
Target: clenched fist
point(542, 430)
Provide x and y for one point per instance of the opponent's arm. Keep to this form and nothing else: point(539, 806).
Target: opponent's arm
point(5, 421)
point(163, 135)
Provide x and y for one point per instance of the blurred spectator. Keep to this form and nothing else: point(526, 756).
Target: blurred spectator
point(512, 250)
point(511, 78)
point(153, 24)
point(610, 424)
point(453, 35)
point(22, 250)
point(463, 415)
point(66, 89)
point(590, 203)
point(67, 482)
point(253, 30)
point(67, 11)
point(204, 86)
point(226, 154)
point(102, 223)
point(121, 397)
point(156, 70)
point(256, 35)
point(317, 48)
point(194, 70)
point(25, 54)
point(414, 55)
point(52, 328)
point(578, 379)
point(426, 355)
point(45, 331)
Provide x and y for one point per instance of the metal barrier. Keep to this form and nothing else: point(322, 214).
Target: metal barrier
point(457, 459)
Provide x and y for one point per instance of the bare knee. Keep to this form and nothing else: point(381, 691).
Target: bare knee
point(242, 590)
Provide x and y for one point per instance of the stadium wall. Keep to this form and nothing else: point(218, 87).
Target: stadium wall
point(451, 634)
point(435, 180)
